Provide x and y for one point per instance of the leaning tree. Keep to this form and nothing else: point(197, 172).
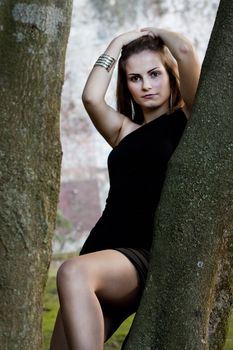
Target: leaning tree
point(33, 40)
point(188, 296)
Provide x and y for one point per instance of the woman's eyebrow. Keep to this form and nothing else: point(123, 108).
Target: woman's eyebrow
point(133, 74)
point(149, 71)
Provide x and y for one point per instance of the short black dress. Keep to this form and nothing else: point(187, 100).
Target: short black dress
point(137, 168)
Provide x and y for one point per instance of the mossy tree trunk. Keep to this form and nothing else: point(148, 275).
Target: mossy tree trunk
point(188, 296)
point(33, 39)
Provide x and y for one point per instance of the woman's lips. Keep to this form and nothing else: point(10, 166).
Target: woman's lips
point(148, 96)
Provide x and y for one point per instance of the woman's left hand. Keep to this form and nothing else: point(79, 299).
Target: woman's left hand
point(154, 32)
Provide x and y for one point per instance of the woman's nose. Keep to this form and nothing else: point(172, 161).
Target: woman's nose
point(146, 85)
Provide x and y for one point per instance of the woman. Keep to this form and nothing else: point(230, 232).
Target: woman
point(158, 75)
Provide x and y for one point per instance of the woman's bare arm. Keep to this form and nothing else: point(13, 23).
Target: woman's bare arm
point(106, 120)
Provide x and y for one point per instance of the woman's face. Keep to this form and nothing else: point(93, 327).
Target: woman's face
point(148, 80)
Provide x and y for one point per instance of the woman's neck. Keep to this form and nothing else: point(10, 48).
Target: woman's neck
point(151, 114)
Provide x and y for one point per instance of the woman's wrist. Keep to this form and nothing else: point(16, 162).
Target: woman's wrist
point(114, 48)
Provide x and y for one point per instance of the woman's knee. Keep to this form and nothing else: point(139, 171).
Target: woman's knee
point(74, 272)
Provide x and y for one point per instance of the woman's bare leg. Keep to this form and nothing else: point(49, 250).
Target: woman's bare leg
point(58, 340)
point(111, 324)
point(84, 283)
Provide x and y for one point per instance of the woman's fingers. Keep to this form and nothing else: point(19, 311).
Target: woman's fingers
point(151, 31)
point(132, 35)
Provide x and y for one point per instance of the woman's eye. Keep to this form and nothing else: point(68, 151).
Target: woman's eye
point(135, 78)
point(154, 74)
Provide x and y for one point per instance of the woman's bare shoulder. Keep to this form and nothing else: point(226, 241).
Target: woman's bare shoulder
point(127, 127)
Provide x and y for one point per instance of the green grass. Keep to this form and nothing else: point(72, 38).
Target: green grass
point(51, 305)
point(114, 343)
point(51, 308)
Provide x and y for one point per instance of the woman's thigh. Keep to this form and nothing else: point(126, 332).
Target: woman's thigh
point(109, 273)
point(111, 276)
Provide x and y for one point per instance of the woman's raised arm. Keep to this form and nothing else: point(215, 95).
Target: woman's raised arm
point(107, 120)
point(188, 64)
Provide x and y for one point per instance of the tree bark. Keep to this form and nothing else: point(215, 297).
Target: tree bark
point(33, 39)
point(188, 297)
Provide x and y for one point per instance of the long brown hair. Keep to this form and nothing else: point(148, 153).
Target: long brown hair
point(125, 103)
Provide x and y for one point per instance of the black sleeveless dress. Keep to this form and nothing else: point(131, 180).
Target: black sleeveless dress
point(137, 168)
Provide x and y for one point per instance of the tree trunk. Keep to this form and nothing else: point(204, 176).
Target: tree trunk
point(33, 39)
point(192, 243)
